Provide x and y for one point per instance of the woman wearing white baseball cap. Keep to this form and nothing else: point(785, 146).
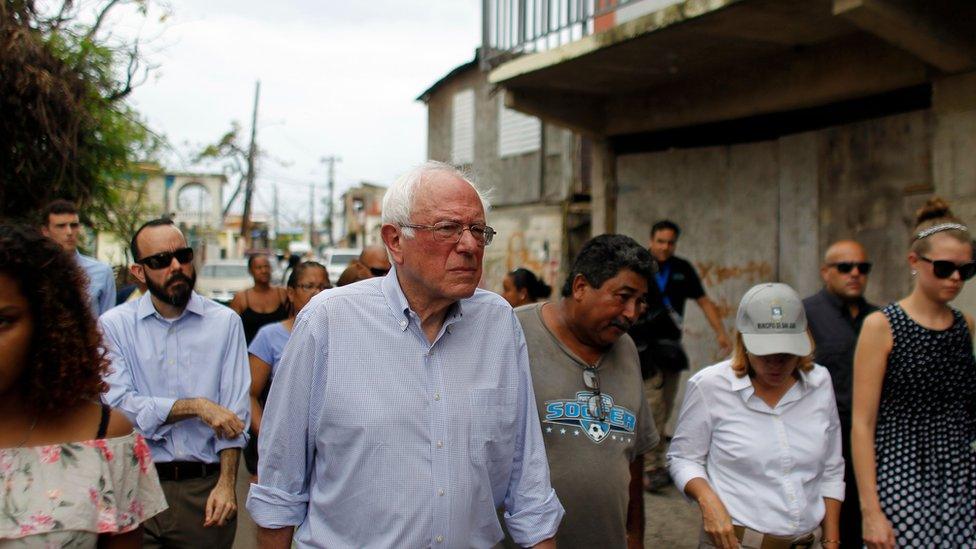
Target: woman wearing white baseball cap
point(757, 443)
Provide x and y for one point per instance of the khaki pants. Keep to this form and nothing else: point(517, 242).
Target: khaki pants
point(753, 540)
point(660, 390)
point(182, 524)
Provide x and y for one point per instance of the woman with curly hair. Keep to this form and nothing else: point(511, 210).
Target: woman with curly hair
point(72, 472)
point(914, 423)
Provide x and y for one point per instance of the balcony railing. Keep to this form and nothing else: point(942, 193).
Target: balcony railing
point(515, 27)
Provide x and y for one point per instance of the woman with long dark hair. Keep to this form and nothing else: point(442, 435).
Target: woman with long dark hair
point(72, 472)
point(914, 425)
point(522, 286)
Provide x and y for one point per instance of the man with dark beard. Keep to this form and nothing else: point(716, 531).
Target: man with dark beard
point(179, 373)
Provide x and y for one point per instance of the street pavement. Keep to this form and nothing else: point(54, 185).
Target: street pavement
point(672, 523)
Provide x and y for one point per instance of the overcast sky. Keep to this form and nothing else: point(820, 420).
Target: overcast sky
point(337, 78)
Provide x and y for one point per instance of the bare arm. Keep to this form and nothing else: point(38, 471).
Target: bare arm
point(225, 423)
point(275, 538)
point(260, 372)
point(635, 508)
point(831, 524)
point(715, 518)
point(546, 544)
point(238, 304)
point(715, 320)
point(222, 503)
point(870, 362)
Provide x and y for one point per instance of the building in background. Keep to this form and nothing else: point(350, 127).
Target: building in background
point(193, 200)
point(362, 207)
point(766, 128)
point(532, 171)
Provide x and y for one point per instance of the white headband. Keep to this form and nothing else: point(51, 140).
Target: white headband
point(939, 228)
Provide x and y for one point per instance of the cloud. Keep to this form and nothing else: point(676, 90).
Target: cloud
point(336, 78)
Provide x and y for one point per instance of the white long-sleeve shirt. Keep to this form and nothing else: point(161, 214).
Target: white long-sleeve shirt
point(771, 467)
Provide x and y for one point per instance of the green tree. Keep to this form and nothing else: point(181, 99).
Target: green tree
point(66, 130)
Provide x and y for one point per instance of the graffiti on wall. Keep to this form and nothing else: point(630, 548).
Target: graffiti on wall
point(535, 255)
point(753, 272)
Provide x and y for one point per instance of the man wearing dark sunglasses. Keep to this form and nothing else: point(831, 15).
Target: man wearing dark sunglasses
point(596, 423)
point(372, 262)
point(179, 373)
point(835, 315)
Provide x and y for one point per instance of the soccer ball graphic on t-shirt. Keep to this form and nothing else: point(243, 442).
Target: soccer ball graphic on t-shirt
point(590, 414)
point(596, 431)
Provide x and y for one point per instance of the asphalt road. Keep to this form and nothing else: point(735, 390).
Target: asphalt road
point(672, 523)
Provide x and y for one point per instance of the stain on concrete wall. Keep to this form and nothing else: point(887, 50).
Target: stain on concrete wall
point(530, 237)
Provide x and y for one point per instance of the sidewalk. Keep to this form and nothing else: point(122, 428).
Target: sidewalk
point(672, 522)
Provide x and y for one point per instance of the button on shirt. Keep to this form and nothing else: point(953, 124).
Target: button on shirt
point(373, 437)
point(771, 467)
point(157, 361)
point(101, 283)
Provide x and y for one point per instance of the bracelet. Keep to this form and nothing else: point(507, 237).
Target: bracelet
point(837, 541)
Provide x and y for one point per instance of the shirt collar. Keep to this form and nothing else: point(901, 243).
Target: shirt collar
point(839, 303)
point(397, 302)
point(743, 385)
point(145, 307)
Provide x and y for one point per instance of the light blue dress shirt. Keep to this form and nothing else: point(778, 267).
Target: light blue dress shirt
point(101, 283)
point(373, 437)
point(157, 361)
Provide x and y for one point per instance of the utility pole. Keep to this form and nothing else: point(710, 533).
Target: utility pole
point(331, 161)
point(274, 209)
point(251, 153)
point(313, 237)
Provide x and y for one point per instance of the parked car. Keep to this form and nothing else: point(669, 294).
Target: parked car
point(337, 259)
point(220, 279)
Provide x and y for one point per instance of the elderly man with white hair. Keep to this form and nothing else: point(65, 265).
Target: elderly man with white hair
point(402, 413)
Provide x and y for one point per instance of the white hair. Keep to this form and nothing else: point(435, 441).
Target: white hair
point(399, 198)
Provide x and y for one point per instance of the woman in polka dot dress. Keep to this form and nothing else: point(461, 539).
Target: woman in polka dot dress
point(914, 425)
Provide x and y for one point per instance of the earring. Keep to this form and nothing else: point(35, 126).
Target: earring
point(914, 272)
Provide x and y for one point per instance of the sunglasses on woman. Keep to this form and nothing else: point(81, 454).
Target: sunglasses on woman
point(944, 269)
point(164, 259)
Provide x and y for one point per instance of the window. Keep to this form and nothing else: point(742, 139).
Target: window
point(462, 127)
point(517, 133)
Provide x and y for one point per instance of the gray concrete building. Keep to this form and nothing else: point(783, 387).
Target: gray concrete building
point(533, 171)
point(765, 128)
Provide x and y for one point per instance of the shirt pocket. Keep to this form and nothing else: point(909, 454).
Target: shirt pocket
point(493, 413)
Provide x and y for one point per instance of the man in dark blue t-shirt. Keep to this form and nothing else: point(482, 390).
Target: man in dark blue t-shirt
point(658, 336)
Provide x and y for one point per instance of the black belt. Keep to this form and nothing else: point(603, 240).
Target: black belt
point(185, 470)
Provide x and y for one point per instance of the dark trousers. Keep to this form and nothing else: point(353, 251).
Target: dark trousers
point(850, 511)
point(182, 524)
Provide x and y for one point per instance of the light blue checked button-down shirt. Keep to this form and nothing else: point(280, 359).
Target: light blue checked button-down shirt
point(157, 361)
point(372, 437)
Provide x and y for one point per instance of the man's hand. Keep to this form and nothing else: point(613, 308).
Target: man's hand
point(221, 505)
point(224, 423)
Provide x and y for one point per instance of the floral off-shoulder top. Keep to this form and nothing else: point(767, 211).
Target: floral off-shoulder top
point(65, 495)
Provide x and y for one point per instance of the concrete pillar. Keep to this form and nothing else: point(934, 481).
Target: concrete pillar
point(799, 204)
point(603, 182)
point(953, 157)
